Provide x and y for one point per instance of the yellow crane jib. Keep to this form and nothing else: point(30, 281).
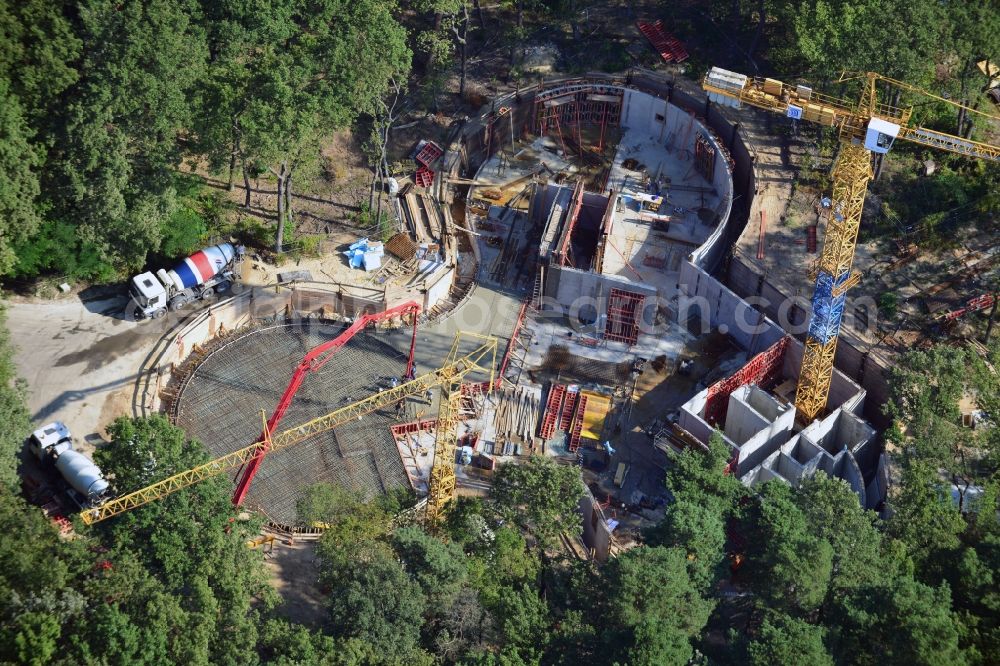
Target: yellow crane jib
point(457, 367)
point(865, 127)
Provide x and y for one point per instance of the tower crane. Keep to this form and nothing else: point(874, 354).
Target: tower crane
point(865, 127)
point(449, 377)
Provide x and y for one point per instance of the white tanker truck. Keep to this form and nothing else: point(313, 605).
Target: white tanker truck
point(205, 273)
point(53, 444)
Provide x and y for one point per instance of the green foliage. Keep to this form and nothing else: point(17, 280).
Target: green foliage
point(653, 622)
point(701, 533)
point(378, 602)
point(888, 304)
point(832, 512)
point(697, 477)
point(142, 451)
point(101, 101)
point(437, 567)
point(787, 641)
point(899, 622)
point(540, 496)
point(58, 248)
point(19, 188)
point(824, 37)
point(788, 565)
point(13, 412)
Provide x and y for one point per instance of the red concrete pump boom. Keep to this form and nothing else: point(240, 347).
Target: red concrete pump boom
point(312, 361)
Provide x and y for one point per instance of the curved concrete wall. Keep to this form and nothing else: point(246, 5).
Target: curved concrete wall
point(158, 373)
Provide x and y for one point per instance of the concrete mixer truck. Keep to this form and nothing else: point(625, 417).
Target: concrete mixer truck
point(52, 444)
point(205, 273)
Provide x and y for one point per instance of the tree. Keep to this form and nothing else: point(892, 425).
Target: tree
point(376, 601)
point(925, 519)
point(142, 451)
point(654, 609)
point(523, 620)
point(352, 528)
point(540, 496)
point(14, 416)
point(19, 188)
point(118, 140)
point(437, 567)
point(700, 532)
point(898, 622)
point(788, 641)
point(832, 512)
point(787, 564)
point(190, 542)
point(698, 477)
point(282, 96)
point(827, 36)
point(39, 51)
point(974, 28)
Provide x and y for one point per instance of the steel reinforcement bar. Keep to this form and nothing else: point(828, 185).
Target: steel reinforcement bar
point(231, 461)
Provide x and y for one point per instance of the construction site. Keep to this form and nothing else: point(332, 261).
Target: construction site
point(567, 279)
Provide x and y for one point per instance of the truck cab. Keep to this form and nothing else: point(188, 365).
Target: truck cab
point(49, 442)
point(149, 296)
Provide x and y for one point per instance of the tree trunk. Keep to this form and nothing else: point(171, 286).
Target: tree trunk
point(378, 202)
point(758, 33)
point(232, 170)
point(235, 155)
point(438, 16)
point(246, 186)
point(465, 51)
point(479, 15)
point(993, 317)
point(280, 235)
point(288, 195)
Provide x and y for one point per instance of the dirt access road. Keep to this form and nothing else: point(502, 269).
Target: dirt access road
point(80, 359)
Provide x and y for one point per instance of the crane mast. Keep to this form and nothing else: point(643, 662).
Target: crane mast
point(865, 127)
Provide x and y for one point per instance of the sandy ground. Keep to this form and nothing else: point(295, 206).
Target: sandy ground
point(294, 575)
point(80, 359)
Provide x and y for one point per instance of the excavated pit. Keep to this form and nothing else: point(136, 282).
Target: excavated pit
point(220, 404)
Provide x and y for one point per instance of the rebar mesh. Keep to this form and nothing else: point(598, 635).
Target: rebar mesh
point(220, 405)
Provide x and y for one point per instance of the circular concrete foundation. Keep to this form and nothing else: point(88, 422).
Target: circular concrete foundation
point(220, 405)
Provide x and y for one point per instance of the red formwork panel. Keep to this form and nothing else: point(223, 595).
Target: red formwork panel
point(400, 429)
point(429, 154)
point(669, 47)
point(624, 308)
point(566, 418)
point(553, 410)
point(811, 239)
point(424, 176)
point(762, 370)
point(577, 432)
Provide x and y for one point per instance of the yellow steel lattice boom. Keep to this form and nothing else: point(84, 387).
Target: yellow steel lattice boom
point(451, 373)
point(441, 488)
point(865, 127)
